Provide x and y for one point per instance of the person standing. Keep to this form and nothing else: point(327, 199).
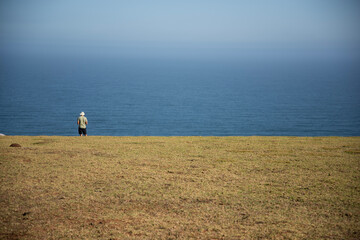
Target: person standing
point(82, 122)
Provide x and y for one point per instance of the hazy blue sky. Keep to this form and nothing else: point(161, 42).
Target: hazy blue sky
point(116, 26)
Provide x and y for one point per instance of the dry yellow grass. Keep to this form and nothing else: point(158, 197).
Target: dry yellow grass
point(180, 188)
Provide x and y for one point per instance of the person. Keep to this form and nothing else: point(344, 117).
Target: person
point(82, 122)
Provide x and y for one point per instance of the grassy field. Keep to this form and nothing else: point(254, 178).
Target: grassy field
point(180, 188)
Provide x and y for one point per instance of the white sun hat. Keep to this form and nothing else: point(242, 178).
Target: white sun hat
point(82, 114)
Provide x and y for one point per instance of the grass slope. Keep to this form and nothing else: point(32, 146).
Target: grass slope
point(180, 188)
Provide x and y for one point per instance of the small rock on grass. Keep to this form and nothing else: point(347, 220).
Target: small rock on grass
point(15, 145)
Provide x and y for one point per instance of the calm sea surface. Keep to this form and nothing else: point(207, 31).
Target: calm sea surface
point(44, 96)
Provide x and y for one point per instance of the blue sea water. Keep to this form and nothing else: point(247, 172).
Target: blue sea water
point(170, 97)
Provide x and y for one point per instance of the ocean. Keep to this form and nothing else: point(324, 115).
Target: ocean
point(179, 97)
